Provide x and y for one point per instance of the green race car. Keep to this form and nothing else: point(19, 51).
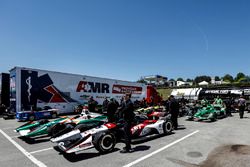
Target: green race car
point(60, 126)
point(38, 128)
point(210, 113)
point(83, 124)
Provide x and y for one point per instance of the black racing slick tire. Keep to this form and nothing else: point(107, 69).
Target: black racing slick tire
point(167, 126)
point(104, 142)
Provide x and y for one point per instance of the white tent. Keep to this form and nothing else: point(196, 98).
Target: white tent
point(203, 83)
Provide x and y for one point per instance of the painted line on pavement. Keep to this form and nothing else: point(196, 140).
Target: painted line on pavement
point(161, 149)
point(46, 149)
point(27, 154)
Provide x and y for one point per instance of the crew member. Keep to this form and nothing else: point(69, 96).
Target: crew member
point(111, 109)
point(218, 101)
point(92, 104)
point(127, 110)
point(204, 102)
point(241, 105)
point(105, 105)
point(174, 111)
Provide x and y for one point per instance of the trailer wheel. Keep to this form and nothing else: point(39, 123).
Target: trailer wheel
point(167, 126)
point(104, 142)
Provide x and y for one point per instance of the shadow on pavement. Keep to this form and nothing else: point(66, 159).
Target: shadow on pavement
point(148, 138)
point(141, 148)
point(83, 156)
point(35, 140)
point(181, 127)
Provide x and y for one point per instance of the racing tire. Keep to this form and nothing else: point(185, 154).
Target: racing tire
point(104, 142)
point(31, 118)
point(214, 118)
point(167, 126)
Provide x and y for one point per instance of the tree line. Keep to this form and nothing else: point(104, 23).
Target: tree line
point(227, 78)
point(240, 78)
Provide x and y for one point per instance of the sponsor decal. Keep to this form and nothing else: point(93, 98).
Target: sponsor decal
point(137, 128)
point(110, 125)
point(28, 82)
point(36, 88)
point(92, 87)
point(121, 89)
point(217, 91)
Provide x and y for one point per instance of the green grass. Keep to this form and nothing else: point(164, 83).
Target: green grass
point(164, 92)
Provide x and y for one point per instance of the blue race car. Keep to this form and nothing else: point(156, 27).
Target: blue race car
point(46, 112)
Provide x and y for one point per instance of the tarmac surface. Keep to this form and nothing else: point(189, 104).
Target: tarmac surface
point(224, 143)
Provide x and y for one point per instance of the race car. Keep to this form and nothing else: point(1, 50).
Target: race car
point(46, 112)
point(38, 128)
point(104, 138)
point(46, 127)
point(210, 112)
point(69, 125)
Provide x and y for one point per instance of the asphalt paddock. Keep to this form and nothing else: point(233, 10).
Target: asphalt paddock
point(224, 143)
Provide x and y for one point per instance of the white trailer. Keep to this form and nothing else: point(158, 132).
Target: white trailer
point(38, 88)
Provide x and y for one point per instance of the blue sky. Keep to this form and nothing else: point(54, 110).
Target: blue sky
point(127, 39)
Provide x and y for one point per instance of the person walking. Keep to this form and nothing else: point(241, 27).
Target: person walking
point(174, 111)
point(241, 105)
point(127, 111)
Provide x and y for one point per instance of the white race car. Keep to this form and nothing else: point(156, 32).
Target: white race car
point(105, 137)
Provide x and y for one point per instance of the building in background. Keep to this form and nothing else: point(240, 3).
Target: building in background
point(156, 80)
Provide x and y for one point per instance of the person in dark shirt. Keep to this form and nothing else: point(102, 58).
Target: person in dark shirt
point(228, 107)
point(174, 111)
point(127, 111)
point(92, 104)
point(241, 105)
point(105, 105)
point(111, 110)
point(143, 103)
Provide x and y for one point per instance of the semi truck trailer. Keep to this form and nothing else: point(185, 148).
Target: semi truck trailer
point(38, 88)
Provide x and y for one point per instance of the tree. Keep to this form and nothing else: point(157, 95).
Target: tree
point(217, 78)
point(189, 80)
point(171, 79)
point(180, 79)
point(246, 79)
point(228, 78)
point(239, 77)
point(199, 79)
point(141, 80)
